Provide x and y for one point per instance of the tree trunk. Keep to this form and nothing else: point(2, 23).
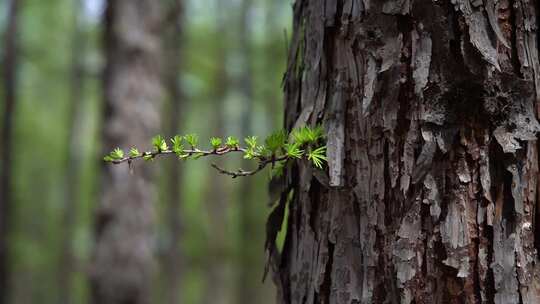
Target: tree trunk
point(9, 65)
point(123, 260)
point(66, 262)
point(430, 112)
point(172, 263)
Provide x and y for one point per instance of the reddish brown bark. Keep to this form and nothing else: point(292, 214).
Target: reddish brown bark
point(431, 191)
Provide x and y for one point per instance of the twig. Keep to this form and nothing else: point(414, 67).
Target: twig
point(240, 172)
point(263, 161)
point(187, 153)
point(304, 142)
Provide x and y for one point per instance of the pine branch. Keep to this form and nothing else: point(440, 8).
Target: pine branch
point(188, 153)
point(278, 148)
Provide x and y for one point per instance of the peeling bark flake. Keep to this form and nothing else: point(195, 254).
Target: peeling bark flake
point(421, 50)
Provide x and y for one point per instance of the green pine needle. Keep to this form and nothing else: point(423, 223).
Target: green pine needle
point(308, 135)
point(159, 143)
point(176, 141)
point(251, 141)
point(318, 156)
point(192, 139)
point(293, 150)
point(133, 152)
point(116, 154)
point(250, 154)
point(275, 141)
point(232, 142)
point(215, 142)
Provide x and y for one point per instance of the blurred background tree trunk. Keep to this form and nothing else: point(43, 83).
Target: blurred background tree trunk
point(67, 263)
point(9, 72)
point(430, 109)
point(123, 261)
point(173, 260)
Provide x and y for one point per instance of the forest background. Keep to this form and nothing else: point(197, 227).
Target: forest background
point(230, 63)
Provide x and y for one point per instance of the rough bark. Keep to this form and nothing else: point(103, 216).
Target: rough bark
point(9, 71)
point(172, 264)
point(66, 262)
point(430, 109)
point(123, 260)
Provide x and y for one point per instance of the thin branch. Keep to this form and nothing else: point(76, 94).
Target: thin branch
point(305, 142)
point(240, 172)
point(263, 161)
point(185, 154)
